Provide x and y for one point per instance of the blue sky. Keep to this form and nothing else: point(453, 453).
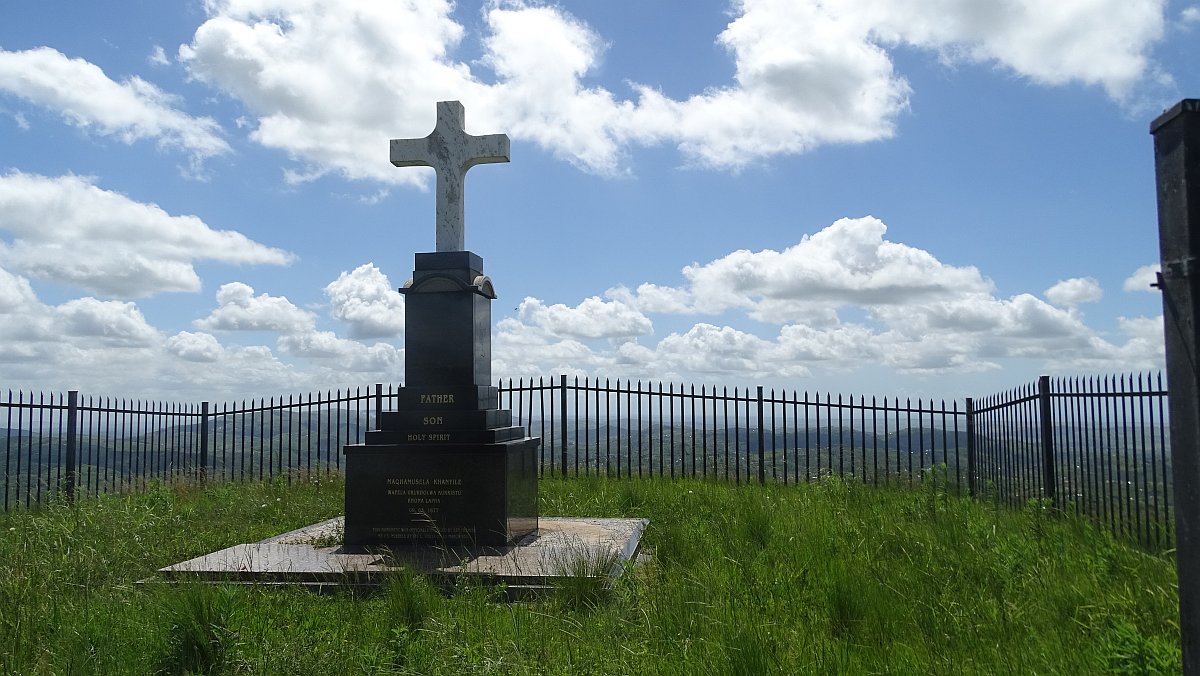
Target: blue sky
point(882, 197)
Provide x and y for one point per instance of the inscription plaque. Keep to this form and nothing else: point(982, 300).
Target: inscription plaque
point(460, 496)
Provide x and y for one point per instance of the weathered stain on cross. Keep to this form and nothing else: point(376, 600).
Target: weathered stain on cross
point(451, 151)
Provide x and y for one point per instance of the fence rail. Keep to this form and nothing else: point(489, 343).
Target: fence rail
point(1096, 446)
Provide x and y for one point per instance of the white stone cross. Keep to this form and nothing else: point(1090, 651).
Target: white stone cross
point(451, 151)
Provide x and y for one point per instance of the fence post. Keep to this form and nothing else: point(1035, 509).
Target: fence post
point(562, 421)
point(72, 443)
point(378, 403)
point(971, 446)
point(762, 470)
point(1047, 431)
point(203, 441)
point(1177, 168)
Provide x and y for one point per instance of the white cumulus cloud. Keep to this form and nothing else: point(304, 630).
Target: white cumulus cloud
point(15, 292)
point(366, 301)
point(68, 230)
point(1142, 278)
point(325, 80)
point(653, 298)
point(348, 355)
point(1094, 42)
point(844, 299)
point(238, 309)
point(1074, 292)
point(724, 350)
point(520, 350)
point(848, 263)
point(197, 347)
point(108, 347)
point(130, 111)
point(328, 81)
point(158, 56)
point(592, 318)
point(111, 322)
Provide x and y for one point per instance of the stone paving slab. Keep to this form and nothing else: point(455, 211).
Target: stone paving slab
point(561, 547)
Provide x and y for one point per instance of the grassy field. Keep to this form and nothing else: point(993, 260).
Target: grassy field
point(830, 577)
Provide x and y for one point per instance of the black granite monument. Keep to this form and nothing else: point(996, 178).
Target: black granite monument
point(446, 467)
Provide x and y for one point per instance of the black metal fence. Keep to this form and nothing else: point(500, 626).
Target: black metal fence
point(640, 429)
point(1095, 446)
point(56, 446)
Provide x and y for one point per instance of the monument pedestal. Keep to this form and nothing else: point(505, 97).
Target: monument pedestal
point(447, 467)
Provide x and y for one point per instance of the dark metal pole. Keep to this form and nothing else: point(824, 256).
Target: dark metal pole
point(762, 470)
point(203, 441)
point(1177, 166)
point(562, 401)
point(970, 446)
point(379, 404)
point(72, 443)
point(1046, 424)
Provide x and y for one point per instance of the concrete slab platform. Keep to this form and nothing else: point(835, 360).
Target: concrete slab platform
point(560, 548)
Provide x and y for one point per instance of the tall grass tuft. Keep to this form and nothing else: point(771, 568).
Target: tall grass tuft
point(199, 620)
point(410, 599)
point(583, 579)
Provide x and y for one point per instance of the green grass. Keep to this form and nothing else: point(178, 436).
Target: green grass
point(831, 577)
